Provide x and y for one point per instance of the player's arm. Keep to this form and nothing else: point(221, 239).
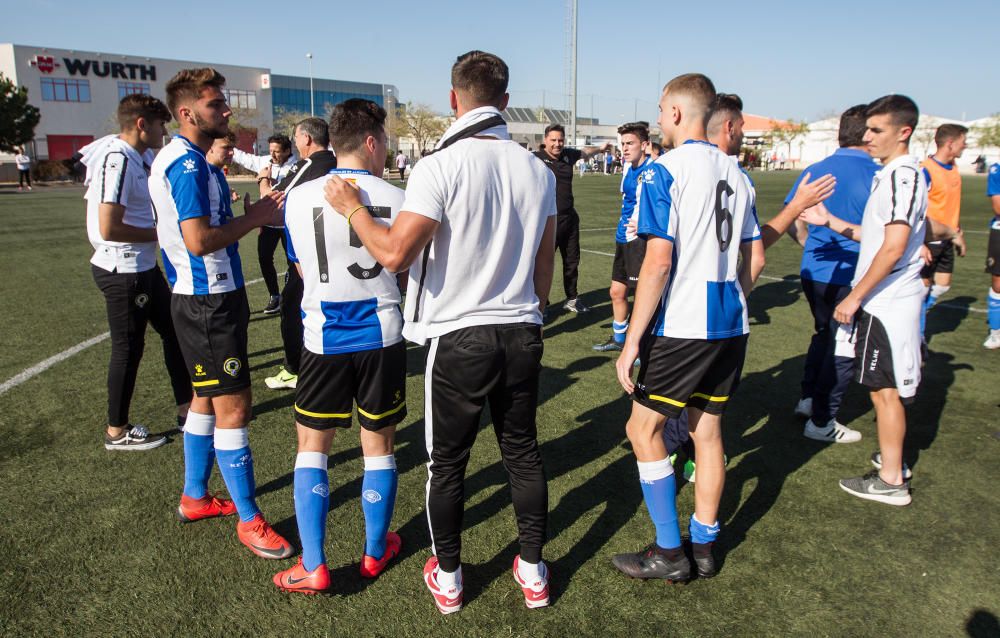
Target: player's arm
point(545, 263)
point(753, 260)
point(818, 215)
point(589, 151)
point(807, 194)
point(201, 238)
point(995, 200)
point(397, 246)
point(113, 227)
point(653, 278)
point(897, 233)
point(799, 231)
point(249, 161)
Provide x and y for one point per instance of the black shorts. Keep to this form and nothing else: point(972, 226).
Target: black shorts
point(942, 259)
point(887, 348)
point(993, 250)
point(212, 333)
point(677, 373)
point(330, 384)
point(628, 262)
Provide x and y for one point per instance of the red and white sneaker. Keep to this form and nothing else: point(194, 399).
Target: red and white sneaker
point(297, 579)
point(372, 567)
point(448, 601)
point(536, 594)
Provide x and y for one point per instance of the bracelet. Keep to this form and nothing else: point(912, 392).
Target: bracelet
point(351, 214)
point(261, 179)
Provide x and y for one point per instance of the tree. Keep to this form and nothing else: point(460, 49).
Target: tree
point(988, 134)
point(18, 119)
point(285, 121)
point(419, 122)
point(784, 133)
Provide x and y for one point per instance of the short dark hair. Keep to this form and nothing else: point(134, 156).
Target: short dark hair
point(555, 127)
point(483, 76)
point(725, 104)
point(282, 141)
point(695, 85)
point(902, 111)
point(352, 121)
point(317, 129)
point(656, 146)
point(231, 138)
point(639, 129)
point(132, 107)
point(853, 126)
point(947, 132)
point(189, 83)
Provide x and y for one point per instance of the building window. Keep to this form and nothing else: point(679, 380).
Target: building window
point(132, 88)
point(238, 98)
point(60, 90)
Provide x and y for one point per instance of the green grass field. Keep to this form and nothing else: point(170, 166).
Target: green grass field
point(89, 545)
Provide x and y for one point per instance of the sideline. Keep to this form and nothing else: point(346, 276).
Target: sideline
point(38, 368)
point(940, 305)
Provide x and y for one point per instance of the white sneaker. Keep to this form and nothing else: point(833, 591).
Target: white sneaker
point(833, 432)
point(993, 341)
point(804, 408)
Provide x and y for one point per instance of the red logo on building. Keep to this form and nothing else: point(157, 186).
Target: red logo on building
point(45, 63)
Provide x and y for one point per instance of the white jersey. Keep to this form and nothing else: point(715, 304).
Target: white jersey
point(696, 197)
point(492, 199)
point(120, 177)
point(183, 185)
point(899, 195)
point(350, 302)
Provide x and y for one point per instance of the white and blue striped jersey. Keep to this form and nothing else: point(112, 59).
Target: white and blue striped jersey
point(631, 188)
point(696, 197)
point(350, 302)
point(183, 185)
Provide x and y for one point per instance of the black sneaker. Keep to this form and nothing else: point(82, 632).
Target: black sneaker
point(273, 306)
point(575, 305)
point(654, 562)
point(608, 346)
point(135, 438)
point(703, 560)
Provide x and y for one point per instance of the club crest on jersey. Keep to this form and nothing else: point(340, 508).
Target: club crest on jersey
point(142, 300)
point(371, 496)
point(232, 366)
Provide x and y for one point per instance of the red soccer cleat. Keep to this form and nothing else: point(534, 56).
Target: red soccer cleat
point(448, 601)
point(297, 579)
point(262, 539)
point(195, 509)
point(372, 567)
point(536, 594)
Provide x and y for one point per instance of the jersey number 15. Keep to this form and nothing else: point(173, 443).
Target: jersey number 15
point(358, 271)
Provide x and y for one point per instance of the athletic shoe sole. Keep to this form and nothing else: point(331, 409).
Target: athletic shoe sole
point(898, 501)
point(135, 447)
point(280, 385)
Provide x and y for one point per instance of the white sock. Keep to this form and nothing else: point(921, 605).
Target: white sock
point(446, 580)
point(530, 572)
point(199, 424)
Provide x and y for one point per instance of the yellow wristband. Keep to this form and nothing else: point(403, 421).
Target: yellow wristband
point(351, 214)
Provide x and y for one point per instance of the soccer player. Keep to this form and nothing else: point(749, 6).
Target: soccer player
point(944, 200)
point(561, 161)
point(271, 169)
point(629, 248)
point(993, 260)
point(121, 225)
point(312, 139)
point(476, 295)
point(827, 268)
point(354, 351)
point(887, 293)
point(689, 322)
point(198, 235)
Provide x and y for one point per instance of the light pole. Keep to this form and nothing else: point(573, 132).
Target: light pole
point(312, 104)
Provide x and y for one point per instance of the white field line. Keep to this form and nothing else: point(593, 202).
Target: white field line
point(39, 368)
point(940, 305)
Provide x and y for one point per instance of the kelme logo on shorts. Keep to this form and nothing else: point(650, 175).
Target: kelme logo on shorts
point(232, 366)
point(371, 496)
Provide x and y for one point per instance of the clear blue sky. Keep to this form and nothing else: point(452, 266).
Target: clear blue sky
point(785, 58)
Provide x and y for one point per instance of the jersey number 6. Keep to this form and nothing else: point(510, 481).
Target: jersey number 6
point(723, 218)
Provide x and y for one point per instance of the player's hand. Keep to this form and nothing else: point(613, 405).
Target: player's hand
point(342, 195)
point(267, 210)
point(632, 227)
point(624, 365)
point(925, 254)
point(817, 215)
point(264, 172)
point(846, 309)
point(959, 242)
point(234, 196)
point(811, 193)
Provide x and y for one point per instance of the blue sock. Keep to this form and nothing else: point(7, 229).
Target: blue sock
point(993, 310)
point(232, 448)
point(660, 493)
point(928, 302)
point(619, 330)
point(199, 454)
point(701, 533)
point(312, 502)
point(378, 500)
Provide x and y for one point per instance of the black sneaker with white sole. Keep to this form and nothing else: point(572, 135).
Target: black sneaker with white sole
point(575, 305)
point(871, 487)
point(877, 462)
point(135, 438)
point(608, 346)
point(655, 562)
point(273, 306)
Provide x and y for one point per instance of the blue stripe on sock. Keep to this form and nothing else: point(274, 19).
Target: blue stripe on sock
point(312, 502)
point(661, 501)
point(199, 456)
point(378, 500)
point(236, 467)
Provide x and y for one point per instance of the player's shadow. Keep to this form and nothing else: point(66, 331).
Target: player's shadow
point(982, 624)
point(772, 295)
point(947, 315)
point(270, 363)
point(260, 316)
point(561, 320)
point(261, 353)
point(283, 401)
point(923, 417)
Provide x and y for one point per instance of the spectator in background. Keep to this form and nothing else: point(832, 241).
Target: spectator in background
point(23, 163)
point(401, 162)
